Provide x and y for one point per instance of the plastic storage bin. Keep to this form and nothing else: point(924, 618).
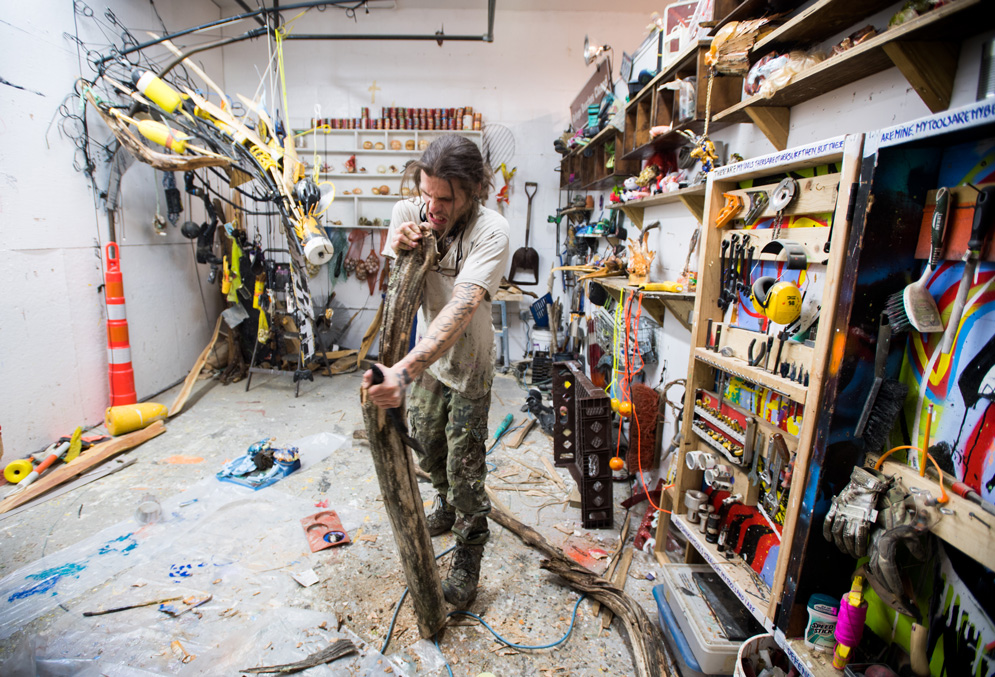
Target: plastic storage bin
point(686, 617)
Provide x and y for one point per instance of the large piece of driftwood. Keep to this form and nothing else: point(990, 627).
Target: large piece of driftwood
point(392, 460)
point(649, 653)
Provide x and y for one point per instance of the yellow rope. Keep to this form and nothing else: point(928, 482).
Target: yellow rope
point(615, 349)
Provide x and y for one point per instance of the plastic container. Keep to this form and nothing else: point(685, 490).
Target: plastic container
point(687, 664)
point(823, 611)
point(750, 651)
point(541, 341)
point(712, 651)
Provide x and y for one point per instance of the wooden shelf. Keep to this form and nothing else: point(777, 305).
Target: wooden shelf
point(808, 662)
point(754, 595)
point(574, 210)
point(737, 367)
point(925, 50)
point(656, 303)
point(748, 9)
point(817, 22)
point(692, 198)
point(960, 530)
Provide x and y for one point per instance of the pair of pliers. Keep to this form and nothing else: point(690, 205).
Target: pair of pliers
point(754, 361)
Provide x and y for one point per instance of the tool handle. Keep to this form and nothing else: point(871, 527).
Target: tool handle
point(505, 424)
point(984, 216)
point(938, 226)
point(957, 309)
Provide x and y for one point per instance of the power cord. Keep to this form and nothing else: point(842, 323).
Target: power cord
point(573, 620)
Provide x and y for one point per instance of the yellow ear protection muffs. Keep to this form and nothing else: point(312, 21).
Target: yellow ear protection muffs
point(779, 301)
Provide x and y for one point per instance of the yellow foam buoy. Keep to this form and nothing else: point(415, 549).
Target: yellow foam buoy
point(127, 418)
point(17, 470)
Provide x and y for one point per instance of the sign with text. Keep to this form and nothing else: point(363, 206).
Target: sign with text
point(592, 93)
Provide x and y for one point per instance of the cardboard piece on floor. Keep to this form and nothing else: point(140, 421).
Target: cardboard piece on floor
point(574, 498)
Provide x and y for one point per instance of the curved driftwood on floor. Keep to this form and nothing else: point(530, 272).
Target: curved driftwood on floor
point(395, 469)
point(649, 653)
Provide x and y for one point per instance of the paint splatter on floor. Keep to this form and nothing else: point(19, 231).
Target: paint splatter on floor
point(48, 579)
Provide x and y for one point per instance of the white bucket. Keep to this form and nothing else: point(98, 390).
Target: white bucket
point(750, 651)
point(542, 339)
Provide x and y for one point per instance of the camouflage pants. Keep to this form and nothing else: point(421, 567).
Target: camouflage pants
point(452, 429)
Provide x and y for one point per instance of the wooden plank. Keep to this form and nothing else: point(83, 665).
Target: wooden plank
point(519, 436)
point(551, 469)
point(694, 202)
point(825, 361)
point(930, 67)
point(960, 530)
point(96, 455)
point(774, 122)
point(663, 519)
point(817, 22)
point(815, 195)
point(738, 340)
point(181, 397)
point(738, 367)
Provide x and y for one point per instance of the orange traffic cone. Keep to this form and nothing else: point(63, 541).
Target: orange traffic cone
point(122, 376)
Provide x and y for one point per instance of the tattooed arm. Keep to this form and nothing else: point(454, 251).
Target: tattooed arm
point(442, 334)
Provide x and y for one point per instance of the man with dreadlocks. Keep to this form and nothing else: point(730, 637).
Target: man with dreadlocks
point(451, 367)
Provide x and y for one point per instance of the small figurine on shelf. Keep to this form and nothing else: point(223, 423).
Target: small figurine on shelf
point(640, 257)
point(704, 150)
point(350, 165)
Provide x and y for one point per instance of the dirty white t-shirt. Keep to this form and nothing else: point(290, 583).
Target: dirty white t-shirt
point(480, 257)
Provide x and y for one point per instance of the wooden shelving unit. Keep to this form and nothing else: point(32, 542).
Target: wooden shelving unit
point(655, 106)
point(585, 168)
point(825, 193)
point(925, 50)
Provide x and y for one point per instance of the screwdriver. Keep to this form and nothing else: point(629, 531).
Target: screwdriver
point(501, 430)
point(964, 491)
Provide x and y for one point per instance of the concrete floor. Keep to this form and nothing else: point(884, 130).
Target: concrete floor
point(241, 547)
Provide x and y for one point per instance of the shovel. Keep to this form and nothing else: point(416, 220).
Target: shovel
point(526, 258)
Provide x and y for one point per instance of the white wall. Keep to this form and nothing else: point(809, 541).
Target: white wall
point(525, 80)
point(53, 361)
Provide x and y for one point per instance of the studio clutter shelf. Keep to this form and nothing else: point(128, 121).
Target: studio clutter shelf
point(680, 304)
point(924, 49)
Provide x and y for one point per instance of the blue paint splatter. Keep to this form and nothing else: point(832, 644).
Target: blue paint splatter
point(113, 547)
point(48, 580)
point(184, 570)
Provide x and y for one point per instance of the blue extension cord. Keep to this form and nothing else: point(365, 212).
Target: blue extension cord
point(573, 619)
point(393, 620)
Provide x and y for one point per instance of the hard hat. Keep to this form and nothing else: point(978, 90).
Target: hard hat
point(779, 301)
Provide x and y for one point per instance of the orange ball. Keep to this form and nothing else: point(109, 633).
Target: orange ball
point(615, 403)
point(616, 463)
point(625, 409)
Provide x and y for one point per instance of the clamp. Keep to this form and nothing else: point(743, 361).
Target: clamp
point(733, 205)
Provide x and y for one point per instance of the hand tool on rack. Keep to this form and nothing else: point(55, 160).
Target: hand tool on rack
point(722, 275)
point(753, 477)
point(755, 360)
point(758, 202)
point(781, 335)
point(984, 217)
point(768, 350)
point(733, 205)
point(708, 337)
point(718, 337)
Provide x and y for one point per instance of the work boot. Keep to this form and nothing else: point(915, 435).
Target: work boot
point(460, 589)
point(441, 519)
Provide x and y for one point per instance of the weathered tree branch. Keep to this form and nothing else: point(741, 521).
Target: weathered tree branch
point(392, 460)
point(649, 653)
